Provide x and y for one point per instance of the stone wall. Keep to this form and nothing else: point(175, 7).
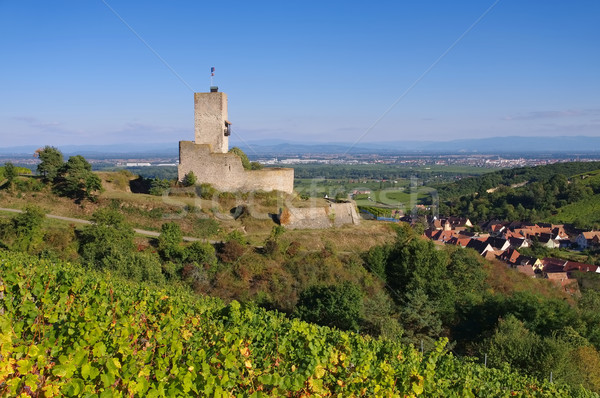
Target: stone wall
point(210, 115)
point(334, 215)
point(224, 171)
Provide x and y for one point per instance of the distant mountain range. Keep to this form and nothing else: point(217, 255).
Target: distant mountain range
point(515, 144)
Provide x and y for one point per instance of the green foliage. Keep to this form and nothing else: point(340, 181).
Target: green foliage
point(538, 355)
point(272, 246)
point(200, 253)
point(338, 305)
point(420, 319)
point(376, 259)
point(207, 191)
point(508, 177)
point(67, 331)
point(206, 227)
point(245, 161)
point(76, 180)
point(150, 172)
point(143, 266)
point(376, 211)
point(169, 242)
point(108, 242)
point(237, 236)
point(10, 172)
point(14, 172)
point(256, 166)
point(159, 187)
point(28, 184)
point(24, 231)
point(276, 232)
point(190, 179)
point(542, 193)
point(51, 162)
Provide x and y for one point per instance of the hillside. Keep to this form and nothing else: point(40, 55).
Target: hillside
point(66, 331)
point(561, 193)
point(377, 279)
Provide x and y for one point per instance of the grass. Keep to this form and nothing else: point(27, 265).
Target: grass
point(197, 217)
point(345, 239)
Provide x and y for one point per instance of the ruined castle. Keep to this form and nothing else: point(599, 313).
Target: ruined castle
point(208, 155)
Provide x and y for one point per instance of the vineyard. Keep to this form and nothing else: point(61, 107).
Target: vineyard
point(73, 332)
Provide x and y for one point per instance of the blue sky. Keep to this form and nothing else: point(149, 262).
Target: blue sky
point(72, 72)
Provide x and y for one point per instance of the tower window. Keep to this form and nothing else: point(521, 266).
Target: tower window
point(227, 128)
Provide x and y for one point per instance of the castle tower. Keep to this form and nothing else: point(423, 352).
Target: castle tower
point(208, 157)
point(211, 124)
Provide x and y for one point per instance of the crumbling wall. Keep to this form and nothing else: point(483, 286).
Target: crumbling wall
point(224, 171)
point(343, 213)
point(334, 215)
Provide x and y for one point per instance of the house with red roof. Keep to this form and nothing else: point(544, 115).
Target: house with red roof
point(588, 239)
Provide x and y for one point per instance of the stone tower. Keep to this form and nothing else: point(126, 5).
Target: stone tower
point(208, 155)
point(211, 125)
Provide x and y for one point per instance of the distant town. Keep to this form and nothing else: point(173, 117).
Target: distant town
point(473, 160)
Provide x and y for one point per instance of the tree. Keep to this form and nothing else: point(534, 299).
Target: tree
point(169, 241)
point(376, 259)
point(200, 253)
point(189, 179)
point(158, 187)
point(108, 242)
point(24, 229)
point(76, 180)
point(143, 266)
point(51, 162)
point(338, 305)
point(420, 319)
point(10, 172)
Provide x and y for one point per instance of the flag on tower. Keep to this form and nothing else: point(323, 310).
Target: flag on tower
point(212, 71)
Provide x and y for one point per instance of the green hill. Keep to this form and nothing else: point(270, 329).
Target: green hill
point(69, 331)
point(561, 192)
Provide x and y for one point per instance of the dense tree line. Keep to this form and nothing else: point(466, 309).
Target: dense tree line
point(535, 201)
point(508, 177)
point(370, 172)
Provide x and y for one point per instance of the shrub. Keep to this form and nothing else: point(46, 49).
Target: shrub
point(245, 161)
point(339, 305)
point(158, 186)
point(207, 191)
point(230, 251)
point(200, 253)
point(189, 179)
point(206, 227)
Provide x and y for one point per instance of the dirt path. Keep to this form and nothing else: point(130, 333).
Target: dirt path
point(144, 232)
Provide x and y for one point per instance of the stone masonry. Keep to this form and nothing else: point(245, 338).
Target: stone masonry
point(208, 155)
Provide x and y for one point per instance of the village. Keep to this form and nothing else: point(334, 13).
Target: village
point(501, 241)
